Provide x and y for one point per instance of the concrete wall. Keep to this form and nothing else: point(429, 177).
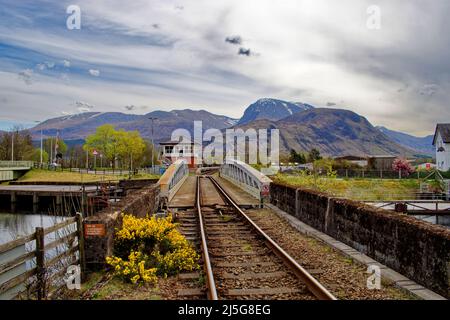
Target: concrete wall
point(416, 249)
point(138, 203)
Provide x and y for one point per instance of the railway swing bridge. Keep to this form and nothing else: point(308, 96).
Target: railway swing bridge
point(239, 260)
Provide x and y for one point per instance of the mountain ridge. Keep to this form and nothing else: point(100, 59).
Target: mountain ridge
point(335, 132)
point(272, 109)
point(420, 144)
point(302, 126)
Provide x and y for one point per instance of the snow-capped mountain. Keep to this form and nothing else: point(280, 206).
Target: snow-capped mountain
point(272, 109)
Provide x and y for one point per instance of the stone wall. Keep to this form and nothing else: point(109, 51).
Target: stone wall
point(100, 245)
point(414, 248)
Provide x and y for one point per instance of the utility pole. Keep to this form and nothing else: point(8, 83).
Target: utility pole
point(12, 146)
point(153, 146)
point(51, 150)
point(41, 144)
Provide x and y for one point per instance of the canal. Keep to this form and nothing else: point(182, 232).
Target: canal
point(14, 225)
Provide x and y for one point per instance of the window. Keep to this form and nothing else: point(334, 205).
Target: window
point(168, 149)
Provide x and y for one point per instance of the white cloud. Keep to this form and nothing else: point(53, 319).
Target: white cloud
point(94, 72)
point(41, 66)
point(49, 64)
point(84, 105)
point(66, 63)
point(310, 51)
point(26, 75)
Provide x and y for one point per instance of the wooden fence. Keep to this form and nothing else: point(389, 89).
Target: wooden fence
point(44, 282)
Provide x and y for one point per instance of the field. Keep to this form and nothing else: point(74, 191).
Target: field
point(356, 189)
point(37, 175)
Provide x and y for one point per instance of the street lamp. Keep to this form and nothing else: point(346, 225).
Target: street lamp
point(14, 132)
point(153, 146)
point(41, 143)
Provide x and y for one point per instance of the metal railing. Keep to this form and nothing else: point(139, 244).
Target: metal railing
point(16, 164)
point(172, 179)
point(246, 177)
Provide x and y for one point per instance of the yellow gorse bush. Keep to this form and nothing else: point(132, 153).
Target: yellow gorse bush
point(133, 269)
point(140, 228)
point(152, 246)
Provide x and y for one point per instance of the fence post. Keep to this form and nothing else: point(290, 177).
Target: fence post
point(81, 245)
point(40, 263)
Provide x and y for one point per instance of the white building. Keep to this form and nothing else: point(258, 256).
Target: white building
point(174, 150)
point(442, 143)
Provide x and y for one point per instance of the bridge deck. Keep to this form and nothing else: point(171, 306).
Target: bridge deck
point(210, 197)
point(242, 198)
point(44, 189)
point(185, 196)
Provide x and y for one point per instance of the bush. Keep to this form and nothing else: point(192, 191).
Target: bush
point(147, 247)
point(402, 166)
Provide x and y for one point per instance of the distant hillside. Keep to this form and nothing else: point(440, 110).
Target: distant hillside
point(79, 126)
point(333, 131)
point(271, 109)
point(302, 127)
point(422, 145)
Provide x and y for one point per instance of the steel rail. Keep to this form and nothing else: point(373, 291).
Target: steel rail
point(316, 288)
point(210, 282)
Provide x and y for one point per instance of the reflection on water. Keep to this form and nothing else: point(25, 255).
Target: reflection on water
point(13, 226)
point(16, 225)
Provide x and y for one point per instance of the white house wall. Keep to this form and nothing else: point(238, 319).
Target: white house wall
point(442, 158)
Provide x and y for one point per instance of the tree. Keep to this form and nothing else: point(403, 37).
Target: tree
point(127, 147)
point(313, 155)
point(49, 145)
point(104, 141)
point(402, 166)
point(297, 157)
point(130, 147)
point(23, 144)
point(36, 155)
point(146, 158)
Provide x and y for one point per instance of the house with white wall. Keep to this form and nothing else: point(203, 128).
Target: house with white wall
point(441, 142)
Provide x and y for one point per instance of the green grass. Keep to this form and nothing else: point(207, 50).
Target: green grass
point(357, 189)
point(116, 289)
point(226, 217)
point(37, 175)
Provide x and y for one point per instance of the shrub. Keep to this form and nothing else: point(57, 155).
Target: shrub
point(134, 269)
point(403, 166)
point(153, 247)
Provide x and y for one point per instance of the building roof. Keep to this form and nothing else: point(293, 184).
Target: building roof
point(174, 143)
point(444, 130)
point(351, 158)
point(387, 156)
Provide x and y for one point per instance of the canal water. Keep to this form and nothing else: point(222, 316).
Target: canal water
point(15, 225)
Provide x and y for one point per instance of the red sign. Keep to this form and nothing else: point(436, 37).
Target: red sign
point(94, 230)
point(265, 190)
point(428, 166)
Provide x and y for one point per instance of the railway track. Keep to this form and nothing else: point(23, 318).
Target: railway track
point(239, 260)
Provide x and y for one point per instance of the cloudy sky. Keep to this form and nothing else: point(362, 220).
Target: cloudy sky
point(138, 56)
